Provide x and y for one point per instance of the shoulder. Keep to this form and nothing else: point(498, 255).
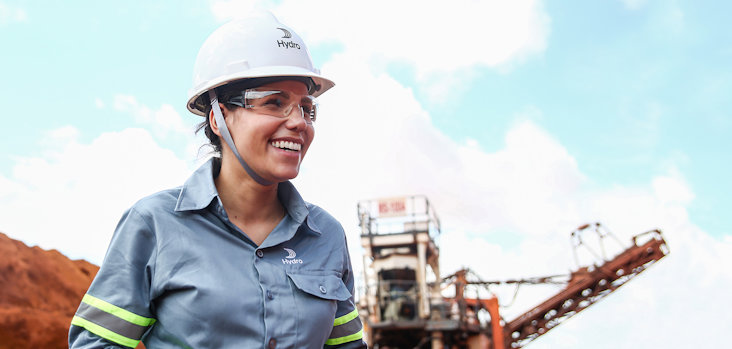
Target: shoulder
point(322, 221)
point(317, 212)
point(142, 220)
point(158, 203)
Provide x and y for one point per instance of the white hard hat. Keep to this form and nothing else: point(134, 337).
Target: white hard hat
point(258, 46)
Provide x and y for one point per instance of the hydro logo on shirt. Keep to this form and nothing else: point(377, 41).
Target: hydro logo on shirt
point(290, 258)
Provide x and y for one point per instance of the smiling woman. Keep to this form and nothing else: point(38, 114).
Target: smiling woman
point(234, 258)
point(272, 128)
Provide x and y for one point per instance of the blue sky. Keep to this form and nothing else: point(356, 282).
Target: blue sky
point(520, 120)
point(629, 92)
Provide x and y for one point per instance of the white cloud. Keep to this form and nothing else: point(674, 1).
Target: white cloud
point(442, 41)
point(433, 35)
point(163, 121)
point(672, 189)
point(71, 198)
point(650, 306)
point(655, 303)
point(393, 149)
point(10, 14)
point(59, 138)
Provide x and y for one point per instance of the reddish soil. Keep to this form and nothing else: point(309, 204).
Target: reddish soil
point(39, 293)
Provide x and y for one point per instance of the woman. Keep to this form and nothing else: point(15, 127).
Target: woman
point(234, 258)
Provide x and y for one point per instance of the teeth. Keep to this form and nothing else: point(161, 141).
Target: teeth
point(287, 145)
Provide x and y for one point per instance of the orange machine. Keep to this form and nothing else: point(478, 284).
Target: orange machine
point(402, 304)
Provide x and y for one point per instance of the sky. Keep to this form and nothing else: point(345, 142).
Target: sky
point(519, 120)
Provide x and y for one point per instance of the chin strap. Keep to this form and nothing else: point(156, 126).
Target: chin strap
point(227, 138)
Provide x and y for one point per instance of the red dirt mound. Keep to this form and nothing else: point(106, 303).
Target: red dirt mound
point(39, 293)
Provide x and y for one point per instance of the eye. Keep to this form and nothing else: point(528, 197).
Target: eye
point(270, 100)
point(273, 101)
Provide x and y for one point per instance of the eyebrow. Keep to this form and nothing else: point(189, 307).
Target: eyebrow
point(284, 94)
point(287, 95)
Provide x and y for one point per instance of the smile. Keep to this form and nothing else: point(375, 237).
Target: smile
point(286, 145)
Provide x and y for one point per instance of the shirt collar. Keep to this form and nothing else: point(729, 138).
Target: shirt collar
point(293, 202)
point(199, 190)
point(296, 207)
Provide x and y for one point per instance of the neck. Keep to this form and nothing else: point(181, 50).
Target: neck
point(247, 202)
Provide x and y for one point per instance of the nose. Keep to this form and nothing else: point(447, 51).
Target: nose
point(296, 118)
point(294, 107)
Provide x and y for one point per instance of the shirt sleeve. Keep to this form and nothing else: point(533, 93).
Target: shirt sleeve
point(347, 330)
point(115, 312)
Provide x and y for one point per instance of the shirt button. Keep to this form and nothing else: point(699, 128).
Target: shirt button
point(272, 343)
point(270, 295)
point(260, 254)
point(322, 289)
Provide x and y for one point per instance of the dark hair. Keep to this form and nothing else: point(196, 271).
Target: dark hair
point(213, 140)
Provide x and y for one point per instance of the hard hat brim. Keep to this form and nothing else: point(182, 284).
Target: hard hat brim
point(263, 72)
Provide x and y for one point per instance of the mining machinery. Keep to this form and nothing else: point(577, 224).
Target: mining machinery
point(402, 304)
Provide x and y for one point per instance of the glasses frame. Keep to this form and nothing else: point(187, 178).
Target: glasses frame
point(258, 93)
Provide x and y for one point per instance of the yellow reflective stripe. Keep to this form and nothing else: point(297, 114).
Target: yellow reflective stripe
point(349, 338)
point(104, 333)
point(346, 318)
point(117, 311)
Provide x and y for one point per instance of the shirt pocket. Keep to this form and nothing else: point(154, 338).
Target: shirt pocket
point(316, 301)
point(326, 286)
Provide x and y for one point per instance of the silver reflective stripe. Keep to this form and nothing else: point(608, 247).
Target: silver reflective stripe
point(346, 329)
point(229, 141)
point(111, 322)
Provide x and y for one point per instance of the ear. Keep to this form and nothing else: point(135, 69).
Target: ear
point(214, 125)
point(212, 120)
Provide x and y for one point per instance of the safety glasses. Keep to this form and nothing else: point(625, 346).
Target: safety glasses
point(277, 103)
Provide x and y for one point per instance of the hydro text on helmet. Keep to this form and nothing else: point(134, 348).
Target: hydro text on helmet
point(288, 44)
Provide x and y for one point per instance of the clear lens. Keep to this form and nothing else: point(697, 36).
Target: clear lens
point(280, 103)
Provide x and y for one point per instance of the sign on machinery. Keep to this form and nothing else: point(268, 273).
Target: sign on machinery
point(393, 207)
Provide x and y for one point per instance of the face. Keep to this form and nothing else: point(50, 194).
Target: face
point(272, 146)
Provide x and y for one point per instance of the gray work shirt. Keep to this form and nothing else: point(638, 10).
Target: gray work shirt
point(179, 274)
